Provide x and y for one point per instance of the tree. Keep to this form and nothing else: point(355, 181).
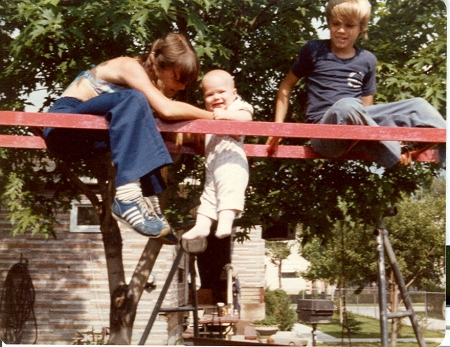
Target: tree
point(414, 66)
point(419, 228)
point(277, 252)
point(348, 259)
point(45, 44)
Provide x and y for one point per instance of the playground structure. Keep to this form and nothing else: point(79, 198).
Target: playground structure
point(35, 121)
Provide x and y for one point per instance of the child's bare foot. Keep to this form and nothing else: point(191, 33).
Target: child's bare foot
point(411, 150)
point(405, 159)
point(196, 232)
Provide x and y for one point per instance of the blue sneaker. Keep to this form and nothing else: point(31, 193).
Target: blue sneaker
point(169, 239)
point(136, 216)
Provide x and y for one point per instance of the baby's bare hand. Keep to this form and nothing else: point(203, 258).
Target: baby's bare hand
point(221, 114)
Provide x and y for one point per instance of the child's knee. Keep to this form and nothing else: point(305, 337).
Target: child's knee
point(349, 105)
point(344, 111)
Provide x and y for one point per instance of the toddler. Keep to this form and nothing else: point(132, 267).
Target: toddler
point(226, 163)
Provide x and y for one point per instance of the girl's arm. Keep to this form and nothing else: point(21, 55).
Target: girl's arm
point(128, 71)
point(239, 110)
point(239, 115)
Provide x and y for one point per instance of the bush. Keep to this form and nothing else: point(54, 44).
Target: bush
point(278, 310)
point(350, 324)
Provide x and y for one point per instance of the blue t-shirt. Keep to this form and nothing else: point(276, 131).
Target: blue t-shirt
point(330, 78)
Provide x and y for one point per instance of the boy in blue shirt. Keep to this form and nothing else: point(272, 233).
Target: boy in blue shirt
point(340, 81)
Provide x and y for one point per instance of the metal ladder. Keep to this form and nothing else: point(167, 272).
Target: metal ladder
point(158, 306)
point(384, 245)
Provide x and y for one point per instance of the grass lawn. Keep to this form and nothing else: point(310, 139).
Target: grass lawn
point(370, 328)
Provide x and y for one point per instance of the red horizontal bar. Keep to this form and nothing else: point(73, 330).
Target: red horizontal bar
point(306, 152)
point(265, 129)
point(52, 120)
point(302, 130)
point(251, 150)
point(16, 141)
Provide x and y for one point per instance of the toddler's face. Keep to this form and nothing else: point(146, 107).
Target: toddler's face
point(218, 92)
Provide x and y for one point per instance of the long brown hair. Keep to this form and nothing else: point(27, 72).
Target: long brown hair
point(172, 51)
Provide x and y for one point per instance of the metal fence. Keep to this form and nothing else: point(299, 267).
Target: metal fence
point(428, 304)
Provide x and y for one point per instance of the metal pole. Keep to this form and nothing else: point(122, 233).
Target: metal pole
point(163, 293)
point(313, 332)
point(403, 290)
point(375, 312)
point(382, 286)
point(194, 293)
point(229, 269)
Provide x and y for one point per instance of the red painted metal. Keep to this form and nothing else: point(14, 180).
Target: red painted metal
point(53, 120)
point(257, 151)
point(13, 141)
point(199, 126)
point(301, 130)
point(262, 129)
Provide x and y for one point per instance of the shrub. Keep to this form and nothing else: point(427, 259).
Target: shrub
point(350, 324)
point(278, 310)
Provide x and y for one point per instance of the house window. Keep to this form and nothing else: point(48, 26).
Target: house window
point(292, 274)
point(83, 218)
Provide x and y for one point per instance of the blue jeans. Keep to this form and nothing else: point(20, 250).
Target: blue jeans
point(137, 148)
point(414, 112)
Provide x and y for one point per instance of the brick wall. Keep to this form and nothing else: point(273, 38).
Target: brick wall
point(248, 263)
point(70, 281)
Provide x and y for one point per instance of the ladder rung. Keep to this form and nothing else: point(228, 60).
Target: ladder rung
point(400, 314)
point(177, 309)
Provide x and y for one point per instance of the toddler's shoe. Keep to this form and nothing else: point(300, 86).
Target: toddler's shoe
point(135, 215)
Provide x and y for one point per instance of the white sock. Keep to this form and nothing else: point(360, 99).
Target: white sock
point(225, 223)
point(201, 228)
point(129, 192)
point(155, 203)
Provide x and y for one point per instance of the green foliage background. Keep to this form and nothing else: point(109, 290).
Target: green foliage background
point(45, 43)
point(416, 233)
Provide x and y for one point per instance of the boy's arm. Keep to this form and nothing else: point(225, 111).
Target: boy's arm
point(283, 96)
point(367, 100)
point(282, 105)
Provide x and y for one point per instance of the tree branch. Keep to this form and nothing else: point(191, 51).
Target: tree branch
point(75, 180)
point(260, 13)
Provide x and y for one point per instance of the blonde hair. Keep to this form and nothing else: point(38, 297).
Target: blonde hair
point(226, 76)
point(172, 51)
point(350, 11)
